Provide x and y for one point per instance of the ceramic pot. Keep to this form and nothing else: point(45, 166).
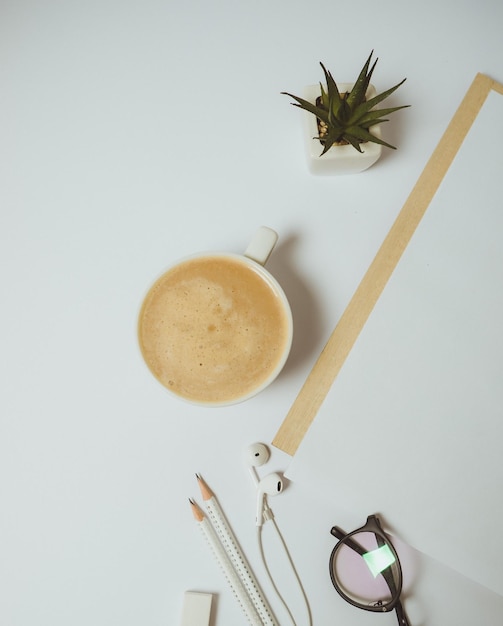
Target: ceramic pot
point(339, 159)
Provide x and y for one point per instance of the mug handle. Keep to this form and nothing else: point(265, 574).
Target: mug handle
point(262, 244)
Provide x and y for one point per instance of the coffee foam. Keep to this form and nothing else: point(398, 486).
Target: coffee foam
point(213, 329)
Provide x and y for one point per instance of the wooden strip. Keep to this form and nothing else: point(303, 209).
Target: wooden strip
point(342, 339)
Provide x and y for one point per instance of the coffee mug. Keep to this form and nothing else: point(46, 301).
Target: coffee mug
point(216, 328)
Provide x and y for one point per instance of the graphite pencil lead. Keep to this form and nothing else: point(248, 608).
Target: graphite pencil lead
point(196, 510)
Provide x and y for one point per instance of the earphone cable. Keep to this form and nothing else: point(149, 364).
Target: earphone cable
point(294, 569)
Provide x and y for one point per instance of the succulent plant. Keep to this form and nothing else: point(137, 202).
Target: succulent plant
point(346, 118)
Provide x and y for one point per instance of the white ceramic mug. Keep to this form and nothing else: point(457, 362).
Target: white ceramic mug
point(216, 328)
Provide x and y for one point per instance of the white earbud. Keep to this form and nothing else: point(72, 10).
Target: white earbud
point(271, 485)
point(255, 455)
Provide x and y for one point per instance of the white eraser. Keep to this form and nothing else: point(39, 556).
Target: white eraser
point(196, 608)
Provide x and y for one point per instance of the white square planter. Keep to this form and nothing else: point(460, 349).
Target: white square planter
point(339, 159)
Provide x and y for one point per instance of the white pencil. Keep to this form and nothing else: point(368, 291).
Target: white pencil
point(224, 561)
point(238, 559)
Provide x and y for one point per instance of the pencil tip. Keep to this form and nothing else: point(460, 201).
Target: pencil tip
point(196, 510)
point(205, 490)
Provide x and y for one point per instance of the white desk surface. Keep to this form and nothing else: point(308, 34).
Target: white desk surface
point(133, 134)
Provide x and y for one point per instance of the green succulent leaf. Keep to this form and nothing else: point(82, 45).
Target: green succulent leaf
point(326, 146)
point(364, 135)
point(333, 90)
point(371, 123)
point(324, 97)
point(373, 102)
point(336, 105)
point(309, 106)
point(333, 136)
point(371, 115)
point(360, 87)
point(353, 141)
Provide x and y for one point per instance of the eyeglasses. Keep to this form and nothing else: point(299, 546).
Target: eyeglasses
point(365, 569)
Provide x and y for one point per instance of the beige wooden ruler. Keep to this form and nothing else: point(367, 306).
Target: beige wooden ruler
point(338, 346)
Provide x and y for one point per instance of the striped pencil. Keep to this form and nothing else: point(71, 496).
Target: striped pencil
point(225, 563)
point(236, 555)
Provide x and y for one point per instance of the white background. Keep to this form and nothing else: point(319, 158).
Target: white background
point(418, 401)
point(131, 134)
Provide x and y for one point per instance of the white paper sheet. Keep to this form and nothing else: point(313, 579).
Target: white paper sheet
point(412, 427)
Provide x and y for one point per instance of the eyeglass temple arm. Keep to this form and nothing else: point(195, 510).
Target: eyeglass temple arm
point(400, 615)
point(388, 577)
point(354, 545)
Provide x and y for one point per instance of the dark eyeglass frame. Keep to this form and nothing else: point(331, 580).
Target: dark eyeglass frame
point(394, 583)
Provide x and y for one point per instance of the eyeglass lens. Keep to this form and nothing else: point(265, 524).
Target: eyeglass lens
point(363, 575)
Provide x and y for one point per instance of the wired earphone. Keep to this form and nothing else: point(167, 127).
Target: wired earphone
point(257, 455)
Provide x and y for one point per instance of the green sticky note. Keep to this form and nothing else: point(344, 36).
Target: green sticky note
point(379, 559)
